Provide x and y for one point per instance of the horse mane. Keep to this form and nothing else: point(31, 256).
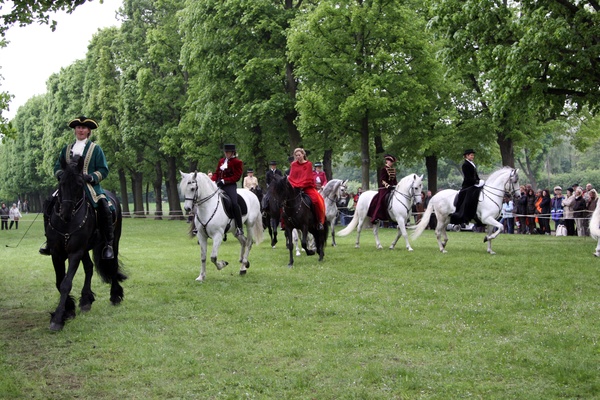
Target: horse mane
point(331, 187)
point(494, 175)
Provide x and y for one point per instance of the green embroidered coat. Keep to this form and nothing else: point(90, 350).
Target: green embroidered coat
point(94, 165)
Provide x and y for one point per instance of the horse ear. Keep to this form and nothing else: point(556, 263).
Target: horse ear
point(182, 173)
point(421, 177)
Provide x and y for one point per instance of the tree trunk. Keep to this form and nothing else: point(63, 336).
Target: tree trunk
point(124, 194)
point(506, 150)
point(327, 164)
point(158, 190)
point(175, 212)
point(365, 159)
point(137, 179)
point(431, 162)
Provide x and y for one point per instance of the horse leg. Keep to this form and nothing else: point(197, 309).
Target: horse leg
point(202, 241)
point(66, 305)
point(87, 296)
point(290, 245)
point(491, 223)
point(309, 251)
point(295, 240)
point(440, 231)
point(245, 264)
point(273, 231)
point(359, 226)
point(597, 252)
point(332, 224)
point(217, 240)
point(376, 234)
point(401, 232)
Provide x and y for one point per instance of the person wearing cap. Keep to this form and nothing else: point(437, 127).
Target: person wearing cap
point(301, 176)
point(386, 182)
point(272, 171)
point(95, 170)
point(250, 181)
point(466, 199)
point(319, 174)
point(229, 171)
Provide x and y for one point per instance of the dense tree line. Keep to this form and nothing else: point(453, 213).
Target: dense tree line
point(349, 80)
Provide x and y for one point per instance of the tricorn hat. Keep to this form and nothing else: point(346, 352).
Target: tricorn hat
point(83, 121)
point(273, 162)
point(390, 157)
point(229, 147)
point(468, 151)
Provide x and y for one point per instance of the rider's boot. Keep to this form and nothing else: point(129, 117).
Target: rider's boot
point(44, 250)
point(105, 224)
point(237, 213)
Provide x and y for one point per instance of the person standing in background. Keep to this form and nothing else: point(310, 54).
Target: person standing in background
point(14, 215)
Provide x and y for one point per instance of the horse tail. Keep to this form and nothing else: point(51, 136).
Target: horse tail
point(258, 230)
point(348, 229)
point(595, 224)
point(420, 227)
point(109, 270)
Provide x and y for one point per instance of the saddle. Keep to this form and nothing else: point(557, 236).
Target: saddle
point(228, 205)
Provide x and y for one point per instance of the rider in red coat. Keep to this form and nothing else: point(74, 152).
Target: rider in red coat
point(228, 173)
point(301, 176)
point(387, 182)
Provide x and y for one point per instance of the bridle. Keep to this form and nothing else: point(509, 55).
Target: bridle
point(491, 192)
point(198, 202)
point(78, 205)
point(410, 197)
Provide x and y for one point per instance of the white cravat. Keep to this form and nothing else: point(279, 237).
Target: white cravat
point(224, 165)
point(78, 147)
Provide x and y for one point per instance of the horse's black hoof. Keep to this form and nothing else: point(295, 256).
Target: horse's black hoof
point(85, 307)
point(56, 327)
point(242, 272)
point(485, 239)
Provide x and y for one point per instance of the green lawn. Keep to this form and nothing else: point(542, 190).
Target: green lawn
point(363, 324)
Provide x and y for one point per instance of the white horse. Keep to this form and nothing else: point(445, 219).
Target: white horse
point(407, 192)
point(595, 229)
point(488, 209)
point(332, 192)
point(202, 195)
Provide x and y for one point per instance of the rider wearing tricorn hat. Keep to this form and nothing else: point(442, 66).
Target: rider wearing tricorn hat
point(467, 197)
point(95, 170)
point(228, 173)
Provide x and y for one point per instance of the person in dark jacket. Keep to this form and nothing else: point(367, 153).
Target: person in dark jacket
point(579, 211)
point(467, 197)
point(546, 208)
point(522, 211)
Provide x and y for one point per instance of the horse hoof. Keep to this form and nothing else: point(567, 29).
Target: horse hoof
point(273, 247)
point(333, 245)
point(492, 252)
point(298, 254)
point(444, 251)
point(56, 327)
point(356, 246)
point(85, 308)
point(290, 265)
point(200, 279)
point(242, 272)
point(597, 254)
point(485, 239)
point(410, 249)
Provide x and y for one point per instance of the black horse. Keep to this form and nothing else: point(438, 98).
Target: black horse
point(72, 232)
point(271, 213)
point(297, 214)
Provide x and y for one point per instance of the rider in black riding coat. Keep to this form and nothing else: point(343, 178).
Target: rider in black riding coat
point(95, 170)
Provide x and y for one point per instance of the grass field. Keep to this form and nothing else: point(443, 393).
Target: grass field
point(363, 324)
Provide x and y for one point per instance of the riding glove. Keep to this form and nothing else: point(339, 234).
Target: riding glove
point(221, 183)
point(59, 174)
point(88, 178)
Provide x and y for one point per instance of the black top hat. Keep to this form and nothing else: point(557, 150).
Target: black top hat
point(250, 170)
point(318, 164)
point(83, 121)
point(229, 147)
point(272, 162)
point(468, 151)
point(390, 157)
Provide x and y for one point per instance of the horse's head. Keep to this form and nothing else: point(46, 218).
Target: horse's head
point(279, 188)
point(70, 187)
point(411, 186)
point(188, 187)
point(513, 183)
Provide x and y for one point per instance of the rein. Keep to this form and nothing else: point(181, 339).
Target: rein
point(203, 200)
point(409, 197)
point(499, 192)
point(78, 206)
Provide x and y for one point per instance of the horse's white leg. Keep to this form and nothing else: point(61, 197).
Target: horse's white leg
point(376, 234)
point(359, 226)
point(402, 231)
point(202, 241)
point(491, 223)
point(333, 233)
point(440, 231)
point(295, 240)
point(217, 240)
point(597, 252)
point(245, 252)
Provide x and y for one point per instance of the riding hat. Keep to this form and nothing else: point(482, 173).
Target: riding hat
point(229, 147)
point(390, 157)
point(318, 164)
point(250, 170)
point(83, 121)
point(272, 162)
point(468, 151)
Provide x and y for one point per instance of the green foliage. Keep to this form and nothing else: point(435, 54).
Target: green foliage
point(364, 323)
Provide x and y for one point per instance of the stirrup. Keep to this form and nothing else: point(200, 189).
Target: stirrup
point(107, 253)
point(44, 250)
